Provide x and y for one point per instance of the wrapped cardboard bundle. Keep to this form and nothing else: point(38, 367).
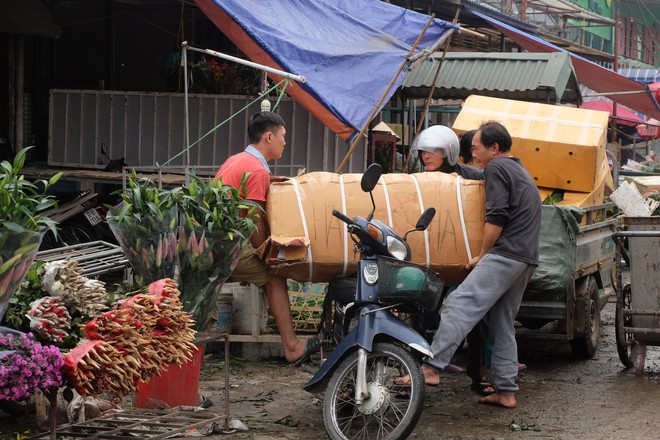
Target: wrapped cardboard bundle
point(561, 147)
point(309, 244)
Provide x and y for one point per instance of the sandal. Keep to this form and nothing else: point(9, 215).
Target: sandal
point(453, 369)
point(312, 345)
point(483, 388)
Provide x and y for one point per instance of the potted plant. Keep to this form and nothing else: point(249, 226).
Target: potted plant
point(145, 225)
point(21, 224)
point(215, 222)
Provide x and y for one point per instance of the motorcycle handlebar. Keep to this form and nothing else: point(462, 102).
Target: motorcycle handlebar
point(342, 217)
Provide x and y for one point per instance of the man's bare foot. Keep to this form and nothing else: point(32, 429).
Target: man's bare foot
point(503, 400)
point(431, 377)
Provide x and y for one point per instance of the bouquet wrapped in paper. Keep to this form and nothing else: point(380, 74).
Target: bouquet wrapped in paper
point(206, 260)
point(145, 225)
point(216, 221)
point(17, 252)
point(22, 224)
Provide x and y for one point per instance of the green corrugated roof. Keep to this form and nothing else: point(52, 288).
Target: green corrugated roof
point(537, 77)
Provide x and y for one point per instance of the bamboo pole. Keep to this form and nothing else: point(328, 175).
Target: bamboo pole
point(382, 98)
point(432, 90)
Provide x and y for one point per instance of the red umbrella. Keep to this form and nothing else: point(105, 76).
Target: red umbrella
point(655, 90)
point(650, 130)
point(623, 115)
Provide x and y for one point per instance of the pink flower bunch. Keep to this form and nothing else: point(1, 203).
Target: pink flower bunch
point(27, 366)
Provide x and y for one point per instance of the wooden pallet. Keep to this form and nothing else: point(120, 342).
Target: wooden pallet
point(139, 423)
point(95, 258)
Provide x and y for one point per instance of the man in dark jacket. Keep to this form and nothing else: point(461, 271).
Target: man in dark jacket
point(508, 258)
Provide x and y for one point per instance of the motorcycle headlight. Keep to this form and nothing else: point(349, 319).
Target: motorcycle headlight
point(397, 248)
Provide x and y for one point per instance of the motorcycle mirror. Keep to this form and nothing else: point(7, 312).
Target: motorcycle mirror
point(368, 183)
point(423, 222)
point(370, 177)
point(425, 219)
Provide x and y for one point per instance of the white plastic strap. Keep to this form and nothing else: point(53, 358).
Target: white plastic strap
point(459, 199)
point(426, 232)
point(344, 225)
point(388, 206)
point(296, 189)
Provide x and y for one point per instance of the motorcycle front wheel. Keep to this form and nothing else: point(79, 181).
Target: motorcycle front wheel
point(390, 412)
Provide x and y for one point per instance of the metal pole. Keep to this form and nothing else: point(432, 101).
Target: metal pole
point(427, 104)
point(382, 98)
point(184, 61)
point(298, 78)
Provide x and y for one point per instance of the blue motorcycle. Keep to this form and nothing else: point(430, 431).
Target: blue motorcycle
point(375, 346)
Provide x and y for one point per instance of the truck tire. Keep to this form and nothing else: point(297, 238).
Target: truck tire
point(585, 346)
point(624, 340)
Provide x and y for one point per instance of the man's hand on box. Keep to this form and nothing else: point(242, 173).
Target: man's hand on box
point(473, 262)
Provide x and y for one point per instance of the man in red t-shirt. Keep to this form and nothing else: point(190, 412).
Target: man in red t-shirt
point(266, 131)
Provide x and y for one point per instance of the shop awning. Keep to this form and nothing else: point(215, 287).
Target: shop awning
point(612, 85)
point(645, 76)
point(535, 77)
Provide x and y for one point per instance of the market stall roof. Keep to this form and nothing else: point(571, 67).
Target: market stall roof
point(349, 51)
point(536, 77)
point(644, 76)
point(617, 87)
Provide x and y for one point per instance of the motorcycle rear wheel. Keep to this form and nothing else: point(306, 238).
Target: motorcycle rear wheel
point(391, 412)
point(74, 232)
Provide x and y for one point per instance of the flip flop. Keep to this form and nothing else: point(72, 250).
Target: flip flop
point(481, 388)
point(522, 368)
point(205, 403)
point(453, 369)
point(311, 346)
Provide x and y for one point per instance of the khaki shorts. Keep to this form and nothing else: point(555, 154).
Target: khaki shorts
point(251, 269)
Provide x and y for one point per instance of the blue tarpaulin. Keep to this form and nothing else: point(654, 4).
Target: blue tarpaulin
point(349, 51)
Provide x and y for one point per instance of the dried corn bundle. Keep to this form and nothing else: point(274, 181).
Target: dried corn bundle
point(123, 329)
point(171, 328)
point(147, 333)
point(115, 326)
point(95, 367)
point(63, 278)
point(49, 318)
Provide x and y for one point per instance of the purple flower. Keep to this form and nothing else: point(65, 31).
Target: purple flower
point(28, 367)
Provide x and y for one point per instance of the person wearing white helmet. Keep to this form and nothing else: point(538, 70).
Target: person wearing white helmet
point(438, 149)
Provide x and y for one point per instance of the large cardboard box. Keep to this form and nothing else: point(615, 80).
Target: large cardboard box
point(562, 147)
point(309, 244)
point(584, 199)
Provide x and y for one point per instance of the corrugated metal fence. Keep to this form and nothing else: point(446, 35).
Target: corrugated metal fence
point(149, 129)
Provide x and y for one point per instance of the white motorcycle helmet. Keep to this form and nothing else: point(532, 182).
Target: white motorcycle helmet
point(437, 138)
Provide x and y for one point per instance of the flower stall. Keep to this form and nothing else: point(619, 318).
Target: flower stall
point(215, 223)
point(72, 331)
